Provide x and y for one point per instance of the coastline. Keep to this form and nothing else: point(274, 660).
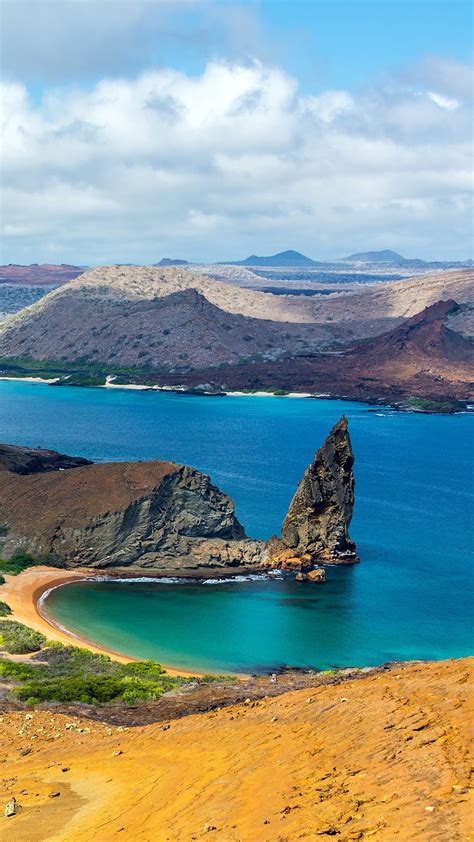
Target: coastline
point(23, 594)
point(43, 380)
point(395, 401)
point(140, 387)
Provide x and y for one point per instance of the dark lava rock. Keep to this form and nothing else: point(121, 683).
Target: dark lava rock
point(35, 460)
point(316, 526)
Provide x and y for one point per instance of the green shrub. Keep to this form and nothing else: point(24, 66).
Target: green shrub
point(18, 639)
point(14, 669)
point(2, 579)
point(144, 669)
point(91, 689)
point(20, 561)
point(4, 609)
point(62, 673)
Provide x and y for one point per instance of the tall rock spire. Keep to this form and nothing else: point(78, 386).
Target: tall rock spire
point(315, 528)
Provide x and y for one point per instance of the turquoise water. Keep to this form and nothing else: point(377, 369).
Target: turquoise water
point(411, 596)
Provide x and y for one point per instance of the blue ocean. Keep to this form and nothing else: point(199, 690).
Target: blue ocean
point(411, 595)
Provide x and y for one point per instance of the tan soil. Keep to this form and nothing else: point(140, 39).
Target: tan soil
point(79, 494)
point(386, 757)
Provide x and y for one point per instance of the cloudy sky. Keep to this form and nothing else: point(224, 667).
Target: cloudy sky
point(210, 130)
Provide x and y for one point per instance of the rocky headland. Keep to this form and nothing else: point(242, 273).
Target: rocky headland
point(161, 516)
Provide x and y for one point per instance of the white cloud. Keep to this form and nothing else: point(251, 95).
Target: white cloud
point(443, 101)
point(233, 161)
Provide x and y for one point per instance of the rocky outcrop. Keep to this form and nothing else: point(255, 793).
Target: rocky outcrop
point(156, 515)
point(316, 526)
point(167, 517)
point(35, 460)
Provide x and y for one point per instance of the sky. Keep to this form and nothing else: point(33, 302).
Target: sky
point(214, 129)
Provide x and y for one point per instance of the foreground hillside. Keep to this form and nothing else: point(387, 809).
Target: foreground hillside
point(382, 757)
point(171, 318)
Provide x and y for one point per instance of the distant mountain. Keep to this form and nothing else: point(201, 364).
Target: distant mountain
point(39, 273)
point(385, 256)
point(171, 261)
point(283, 258)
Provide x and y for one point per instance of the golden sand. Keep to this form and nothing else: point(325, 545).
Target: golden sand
point(23, 593)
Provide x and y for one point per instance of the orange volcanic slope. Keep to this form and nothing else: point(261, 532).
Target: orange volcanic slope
point(385, 757)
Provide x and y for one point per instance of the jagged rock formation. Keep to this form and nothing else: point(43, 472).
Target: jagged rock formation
point(164, 516)
point(316, 526)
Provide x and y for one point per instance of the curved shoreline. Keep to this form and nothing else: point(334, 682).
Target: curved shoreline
point(24, 593)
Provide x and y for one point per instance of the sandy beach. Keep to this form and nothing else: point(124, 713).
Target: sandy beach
point(23, 594)
point(141, 387)
point(32, 379)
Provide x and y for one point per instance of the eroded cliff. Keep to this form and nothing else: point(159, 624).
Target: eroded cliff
point(144, 514)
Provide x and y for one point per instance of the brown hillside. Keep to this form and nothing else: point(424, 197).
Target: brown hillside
point(38, 274)
point(172, 317)
point(420, 357)
point(179, 329)
point(423, 335)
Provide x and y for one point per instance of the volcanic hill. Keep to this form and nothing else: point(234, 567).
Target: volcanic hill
point(421, 357)
point(173, 319)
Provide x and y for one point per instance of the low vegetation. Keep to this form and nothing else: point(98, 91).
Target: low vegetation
point(17, 639)
point(427, 405)
point(22, 561)
point(4, 609)
point(80, 373)
point(58, 673)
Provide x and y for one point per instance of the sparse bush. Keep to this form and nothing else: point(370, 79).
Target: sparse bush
point(18, 562)
point(18, 639)
point(4, 609)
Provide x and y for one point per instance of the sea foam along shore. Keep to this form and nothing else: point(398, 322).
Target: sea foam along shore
point(26, 592)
